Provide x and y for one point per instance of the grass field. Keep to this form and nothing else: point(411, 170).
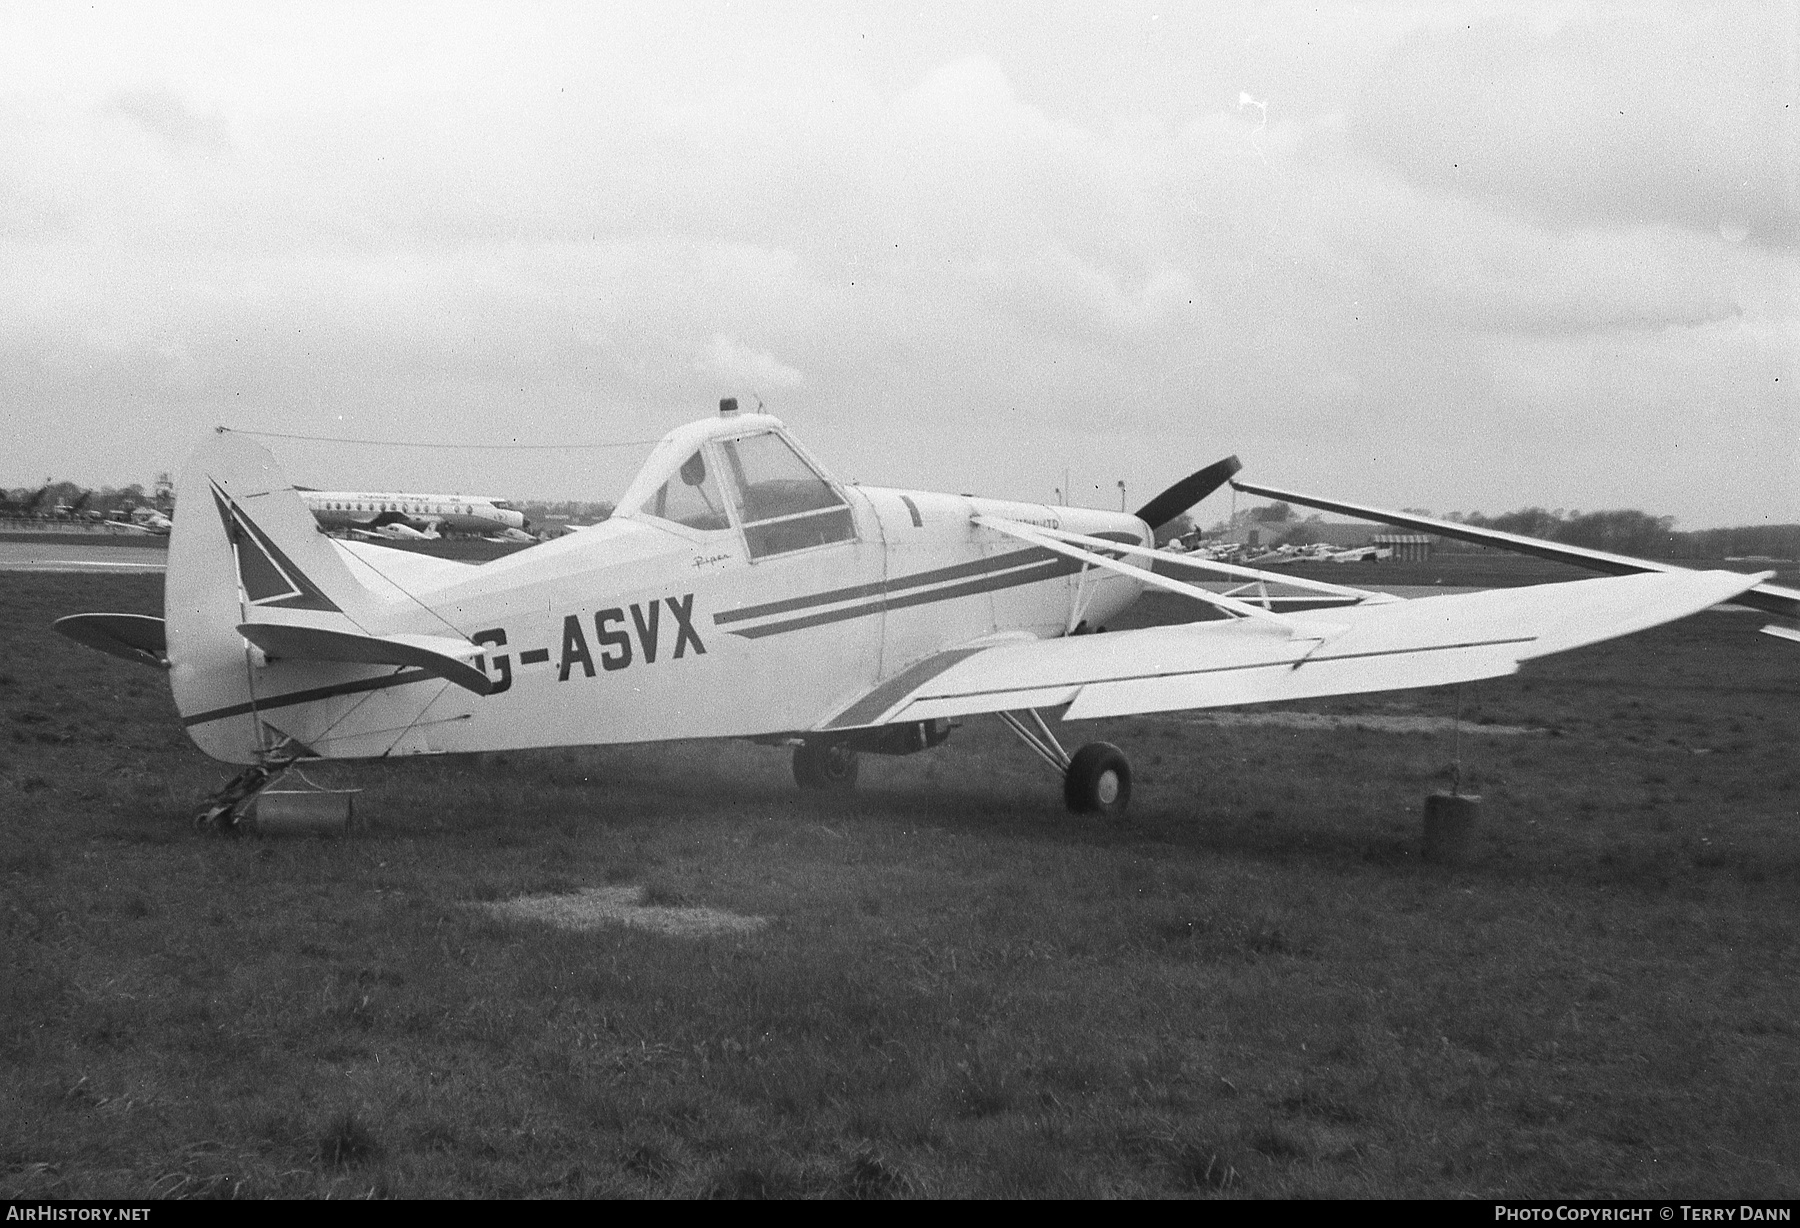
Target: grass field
point(1253, 987)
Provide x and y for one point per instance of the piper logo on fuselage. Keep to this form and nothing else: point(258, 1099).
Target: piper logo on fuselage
point(622, 637)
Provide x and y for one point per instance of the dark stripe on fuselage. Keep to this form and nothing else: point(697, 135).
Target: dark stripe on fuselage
point(1013, 564)
point(865, 710)
point(1033, 574)
point(404, 678)
point(1016, 558)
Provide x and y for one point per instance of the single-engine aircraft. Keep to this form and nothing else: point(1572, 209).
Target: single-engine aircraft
point(75, 510)
point(144, 519)
point(739, 591)
point(1361, 554)
point(397, 532)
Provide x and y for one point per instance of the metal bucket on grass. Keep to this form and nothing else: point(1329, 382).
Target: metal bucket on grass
point(303, 812)
point(1450, 821)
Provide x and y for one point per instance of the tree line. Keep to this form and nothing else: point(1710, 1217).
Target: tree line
point(1623, 531)
point(1628, 531)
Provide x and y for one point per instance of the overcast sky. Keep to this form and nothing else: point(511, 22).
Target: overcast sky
point(1454, 256)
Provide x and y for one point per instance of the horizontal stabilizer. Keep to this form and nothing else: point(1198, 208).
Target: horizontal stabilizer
point(135, 637)
point(441, 655)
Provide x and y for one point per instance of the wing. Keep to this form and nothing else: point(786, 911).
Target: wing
point(1771, 598)
point(1379, 646)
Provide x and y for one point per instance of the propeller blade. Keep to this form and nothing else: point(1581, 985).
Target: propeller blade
point(1187, 492)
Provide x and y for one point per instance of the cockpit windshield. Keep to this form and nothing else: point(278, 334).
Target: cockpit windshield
point(691, 497)
point(782, 503)
point(741, 473)
point(772, 480)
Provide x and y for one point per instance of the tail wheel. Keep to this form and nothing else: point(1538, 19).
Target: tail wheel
point(825, 765)
point(1098, 780)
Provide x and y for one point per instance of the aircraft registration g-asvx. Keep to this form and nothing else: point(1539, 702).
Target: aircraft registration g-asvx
point(739, 591)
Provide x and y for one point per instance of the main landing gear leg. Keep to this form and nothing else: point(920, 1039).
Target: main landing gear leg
point(224, 810)
point(1096, 779)
point(825, 764)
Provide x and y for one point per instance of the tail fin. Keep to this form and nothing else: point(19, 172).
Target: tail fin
point(252, 579)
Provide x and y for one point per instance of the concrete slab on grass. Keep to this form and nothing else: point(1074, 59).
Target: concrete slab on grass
point(594, 907)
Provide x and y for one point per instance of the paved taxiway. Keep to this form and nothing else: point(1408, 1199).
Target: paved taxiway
point(77, 555)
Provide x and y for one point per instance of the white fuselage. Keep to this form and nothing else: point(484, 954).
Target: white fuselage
point(634, 631)
point(645, 628)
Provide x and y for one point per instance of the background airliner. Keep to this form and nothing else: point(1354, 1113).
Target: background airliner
point(422, 515)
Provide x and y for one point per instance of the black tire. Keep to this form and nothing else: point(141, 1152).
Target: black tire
point(825, 765)
point(1098, 780)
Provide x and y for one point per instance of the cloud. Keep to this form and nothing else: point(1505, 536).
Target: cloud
point(558, 226)
point(166, 114)
point(1436, 262)
point(731, 360)
point(1682, 115)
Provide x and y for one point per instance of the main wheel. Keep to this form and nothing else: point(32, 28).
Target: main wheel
point(825, 765)
point(1098, 780)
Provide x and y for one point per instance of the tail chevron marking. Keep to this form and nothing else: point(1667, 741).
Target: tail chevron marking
point(269, 577)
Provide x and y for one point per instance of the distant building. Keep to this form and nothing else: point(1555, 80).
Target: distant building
point(1407, 547)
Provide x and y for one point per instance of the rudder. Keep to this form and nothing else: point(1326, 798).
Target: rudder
point(243, 547)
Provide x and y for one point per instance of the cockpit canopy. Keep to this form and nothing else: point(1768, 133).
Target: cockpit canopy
point(742, 473)
point(691, 497)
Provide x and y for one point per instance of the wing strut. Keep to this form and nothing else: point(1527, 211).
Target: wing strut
point(1087, 549)
point(1362, 595)
point(1041, 740)
point(1040, 537)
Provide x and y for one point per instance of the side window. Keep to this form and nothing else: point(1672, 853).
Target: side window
point(691, 497)
point(783, 504)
